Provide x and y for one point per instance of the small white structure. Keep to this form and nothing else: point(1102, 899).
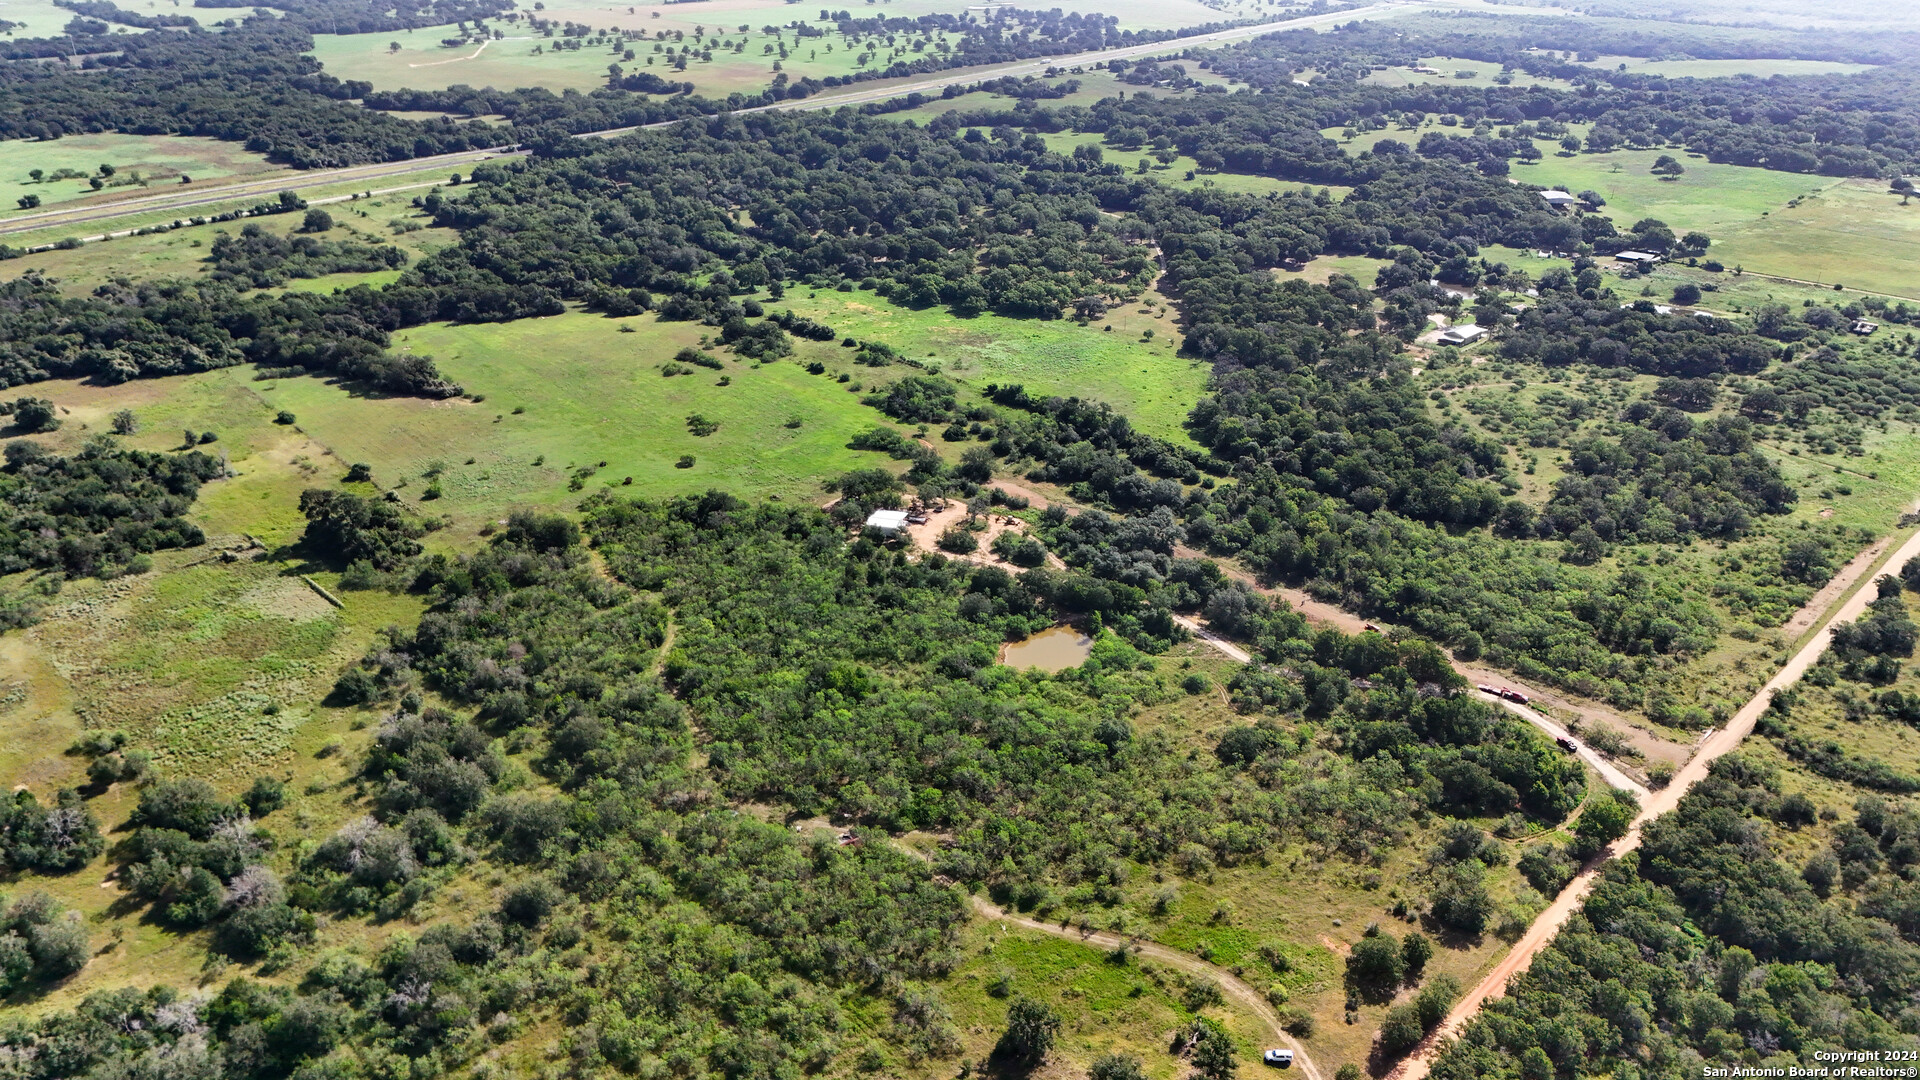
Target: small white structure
point(1864, 327)
point(1639, 258)
point(1560, 200)
point(889, 522)
point(1461, 335)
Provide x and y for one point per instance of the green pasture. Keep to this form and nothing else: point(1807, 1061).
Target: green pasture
point(741, 59)
point(740, 63)
point(587, 393)
point(160, 159)
point(1106, 1007)
point(1712, 198)
point(1844, 231)
point(1144, 379)
point(43, 18)
point(1852, 233)
point(1849, 232)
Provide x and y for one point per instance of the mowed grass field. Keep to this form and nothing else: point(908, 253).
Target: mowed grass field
point(161, 159)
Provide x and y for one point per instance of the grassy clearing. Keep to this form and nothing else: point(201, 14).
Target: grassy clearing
point(1145, 379)
point(189, 658)
point(1316, 908)
point(1095, 86)
point(161, 159)
point(1846, 231)
point(1448, 71)
point(1181, 172)
point(1106, 1006)
point(590, 394)
point(42, 18)
point(1725, 69)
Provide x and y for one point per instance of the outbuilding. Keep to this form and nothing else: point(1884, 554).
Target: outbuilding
point(1461, 335)
point(888, 522)
point(1637, 258)
point(1560, 200)
point(1863, 327)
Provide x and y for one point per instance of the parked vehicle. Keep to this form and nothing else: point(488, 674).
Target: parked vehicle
point(1279, 1059)
point(1567, 745)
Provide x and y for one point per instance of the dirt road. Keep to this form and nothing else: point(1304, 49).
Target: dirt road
point(1230, 984)
point(1718, 744)
point(1325, 614)
point(1607, 769)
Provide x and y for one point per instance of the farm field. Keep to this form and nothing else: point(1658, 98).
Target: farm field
point(161, 159)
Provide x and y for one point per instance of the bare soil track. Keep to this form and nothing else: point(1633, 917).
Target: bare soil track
point(1721, 742)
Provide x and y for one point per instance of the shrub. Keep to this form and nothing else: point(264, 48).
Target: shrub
point(1375, 967)
point(1032, 1028)
point(1400, 1032)
point(959, 540)
point(265, 796)
point(60, 947)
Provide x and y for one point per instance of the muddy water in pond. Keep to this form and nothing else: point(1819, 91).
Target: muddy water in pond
point(1049, 650)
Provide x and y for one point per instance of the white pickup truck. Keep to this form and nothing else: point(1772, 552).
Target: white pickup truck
point(1279, 1059)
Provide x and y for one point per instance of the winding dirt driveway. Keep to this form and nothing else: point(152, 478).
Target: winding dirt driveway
point(1325, 614)
point(1420, 1062)
point(1230, 984)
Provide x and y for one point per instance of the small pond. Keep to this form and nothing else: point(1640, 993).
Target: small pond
point(1057, 649)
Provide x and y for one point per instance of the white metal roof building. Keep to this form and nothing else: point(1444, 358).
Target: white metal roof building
point(1461, 335)
point(887, 521)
